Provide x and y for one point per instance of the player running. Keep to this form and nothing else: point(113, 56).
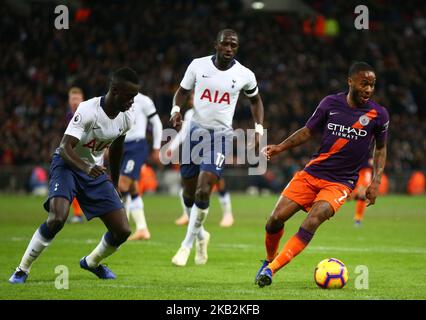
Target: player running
point(347, 122)
point(77, 171)
point(135, 154)
point(217, 81)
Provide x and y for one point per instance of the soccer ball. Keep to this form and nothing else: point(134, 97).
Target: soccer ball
point(331, 274)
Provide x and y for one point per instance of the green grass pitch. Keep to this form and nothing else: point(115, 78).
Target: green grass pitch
point(391, 243)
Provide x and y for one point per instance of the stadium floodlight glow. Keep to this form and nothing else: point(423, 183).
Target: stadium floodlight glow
point(258, 5)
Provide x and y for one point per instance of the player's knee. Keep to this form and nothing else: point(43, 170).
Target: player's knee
point(202, 194)
point(188, 201)
point(121, 234)
point(274, 224)
point(55, 222)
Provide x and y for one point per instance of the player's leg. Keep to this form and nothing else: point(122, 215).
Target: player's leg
point(189, 186)
point(188, 197)
point(360, 205)
point(199, 212)
point(124, 184)
point(298, 194)
point(320, 211)
point(58, 214)
point(184, 218)
point(138, 214)
point(225, 203)
point(364, 181)
point(61, 192)
point(118, 232)
point(329, 199)
point(284, 209)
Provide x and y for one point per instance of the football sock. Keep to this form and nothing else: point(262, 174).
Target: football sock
point(360, 209)
point(198, 215)
point(291, 249)
point(187, 205)
point(137, 212)
point(272, 242)
point(105, 248)
point(40, 240)
point(225, 202)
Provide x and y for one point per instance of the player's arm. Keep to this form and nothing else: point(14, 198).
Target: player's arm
point(296, 139)
point(257, 112)
point(378, 169)
point(115, 157)
point(157, 132)
point(179, 100)
point(66, 151)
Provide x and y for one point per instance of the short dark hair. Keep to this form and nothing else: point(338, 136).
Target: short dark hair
point(359, 66)
point(221, 32)
point(126, 74)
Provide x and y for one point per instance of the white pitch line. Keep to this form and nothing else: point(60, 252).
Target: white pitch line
point(242, 246)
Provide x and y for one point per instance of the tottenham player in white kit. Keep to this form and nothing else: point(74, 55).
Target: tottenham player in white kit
point(77, 171)
point(135, 155)
point(217, 81)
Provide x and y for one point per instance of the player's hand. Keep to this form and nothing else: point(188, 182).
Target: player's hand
point(155, 155)
point(95, 171)
point(371, 193)
point(176, 120)
point(271, 150)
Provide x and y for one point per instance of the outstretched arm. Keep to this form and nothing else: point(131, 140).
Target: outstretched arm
point(378, 168)
point(296, 139)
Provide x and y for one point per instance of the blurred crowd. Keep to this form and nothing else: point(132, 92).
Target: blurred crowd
point(295, 66)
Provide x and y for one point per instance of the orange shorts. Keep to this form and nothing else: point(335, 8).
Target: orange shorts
point(305, 190)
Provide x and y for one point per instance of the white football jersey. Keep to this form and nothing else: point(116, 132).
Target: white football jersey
point(216, 91)
point(95, 130)
point(145, 110)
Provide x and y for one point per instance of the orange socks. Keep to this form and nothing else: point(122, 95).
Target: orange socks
point(272, 241)
point(76, 208)
point(291, 249)
point(360, 209)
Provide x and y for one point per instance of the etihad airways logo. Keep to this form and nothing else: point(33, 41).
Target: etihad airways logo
point(346, 132)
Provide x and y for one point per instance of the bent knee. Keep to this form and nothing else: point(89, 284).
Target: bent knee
point(275, 223)
point(55, 222)
point(202, 194)
point(121, 235)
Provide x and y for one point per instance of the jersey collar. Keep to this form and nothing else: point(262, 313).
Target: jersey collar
point(102, 103)
point(231, 65)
